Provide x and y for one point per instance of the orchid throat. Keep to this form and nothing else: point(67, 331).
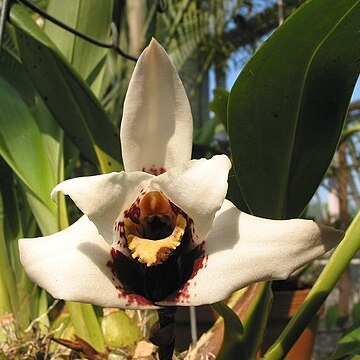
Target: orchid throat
point(154, 230)
point(156, 235)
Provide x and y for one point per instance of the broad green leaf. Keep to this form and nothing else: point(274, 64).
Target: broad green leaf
point(287, 107)
point(234, 194)
point(91, 17)
point(67, 96)
point(14, 73)
point(349, 344)
point(22, 147)
point(53, 138)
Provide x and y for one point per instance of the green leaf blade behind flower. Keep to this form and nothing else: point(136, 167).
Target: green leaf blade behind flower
point(348, 345)
point(287, 107)
point(233, 346)
point(22, 147)
point(91, 17)
point(86, 324)
point(68, 98)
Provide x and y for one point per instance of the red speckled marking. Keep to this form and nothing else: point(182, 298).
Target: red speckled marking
point(200, 262)
point(134, 211)
point(154, 170)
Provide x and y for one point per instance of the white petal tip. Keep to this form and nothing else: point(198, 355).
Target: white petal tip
point(332, 236)
point(54, 195)
point(153, 42)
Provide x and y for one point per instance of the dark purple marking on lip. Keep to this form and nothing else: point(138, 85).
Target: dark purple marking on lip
point(200, 262)
point(116, 266)
point(156, 283)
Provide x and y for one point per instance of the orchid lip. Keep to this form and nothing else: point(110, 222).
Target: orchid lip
point(158, 237)
point(153, 228)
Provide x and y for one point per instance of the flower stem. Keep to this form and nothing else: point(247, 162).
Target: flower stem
point(164, 335)
point(323, 286)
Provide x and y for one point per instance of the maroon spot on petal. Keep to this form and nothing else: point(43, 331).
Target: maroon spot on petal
point(154, 170)
point(138, 300)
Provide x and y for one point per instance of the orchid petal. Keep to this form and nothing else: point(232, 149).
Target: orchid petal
point(198, 188)
point(73, 265)
point(103, 197)
point(156, 128)
point(244, 249)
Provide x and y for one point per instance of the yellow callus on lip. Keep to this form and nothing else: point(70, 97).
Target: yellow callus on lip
point(153, 252)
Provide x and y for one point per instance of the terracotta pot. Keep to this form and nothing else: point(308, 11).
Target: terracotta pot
point(285, 306)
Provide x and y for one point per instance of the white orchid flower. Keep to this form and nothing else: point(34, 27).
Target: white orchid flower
point(161, 232)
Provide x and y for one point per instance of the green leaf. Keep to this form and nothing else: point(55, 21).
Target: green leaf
point(219, 105)
point(86, 324)
point(205, 134)
point(5, 303)
point(9, 300)
point(61, 327)
point(355, 313)
point(43, 319)
point(332, 316)
point(20, 287)
point(234, 194)
point(91, 17)
point(233, 345)
point(287, 107)
point(22, 147)
point(256, 318)
point(349, 344)
point(119, 330)
point(68, 98)
point(14, 73)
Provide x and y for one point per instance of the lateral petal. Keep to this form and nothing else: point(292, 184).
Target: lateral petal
point(243, 249)
point(103, 197)
point(73, 265)
point(198, 188)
